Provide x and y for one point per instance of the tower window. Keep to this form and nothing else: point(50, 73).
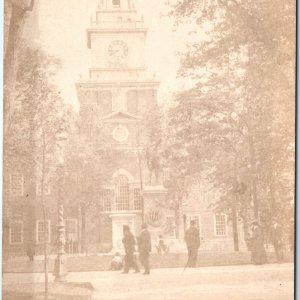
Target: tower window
point(122, 193)
point(166, 174)
point(116, 3)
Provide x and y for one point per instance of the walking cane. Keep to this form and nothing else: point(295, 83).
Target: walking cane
point(186, 264)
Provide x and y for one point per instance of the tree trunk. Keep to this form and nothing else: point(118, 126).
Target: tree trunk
point(30, 189)
point(233, 207)
point(83, 233)
point(244, 216)
point(177, 217)
point(253, 176)
point(272, 199)
point(44, 216)
point(14, 33)
point(234, 227)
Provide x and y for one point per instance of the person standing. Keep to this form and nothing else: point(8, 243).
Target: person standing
point(258, 252)
point(31, 251)
point(129, 246)
point(144, 247)
point(277, 240)
point(192, 240)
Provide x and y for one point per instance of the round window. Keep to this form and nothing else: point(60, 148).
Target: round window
point(120, 133)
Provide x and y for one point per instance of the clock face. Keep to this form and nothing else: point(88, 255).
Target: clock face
point(118, 50)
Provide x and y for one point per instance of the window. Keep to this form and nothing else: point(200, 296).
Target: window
point(137, 199)
point(220, 225)
point(122, 193)
point(106, 200)
point(166, 174)
point(42, 230)
point(116, 3)
point(16, 232)
point(39, 188)
point(170, 222)
point(16, 184)
point(71, 230)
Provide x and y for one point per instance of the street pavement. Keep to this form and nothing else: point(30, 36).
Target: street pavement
point(247, 282)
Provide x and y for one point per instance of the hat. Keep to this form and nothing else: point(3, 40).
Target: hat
point(126, 228)
point(193, 223)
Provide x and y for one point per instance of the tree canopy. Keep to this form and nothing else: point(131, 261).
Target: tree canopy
point(236, 124)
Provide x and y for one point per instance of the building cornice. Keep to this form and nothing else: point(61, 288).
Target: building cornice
point(118, 69)
point(117, 11)
point(124, 114)
point(91, 31)
point(119, 84)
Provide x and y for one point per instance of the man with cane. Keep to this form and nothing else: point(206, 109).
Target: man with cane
point(192, 241)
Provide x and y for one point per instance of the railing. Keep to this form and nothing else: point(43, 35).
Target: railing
point(117, 24)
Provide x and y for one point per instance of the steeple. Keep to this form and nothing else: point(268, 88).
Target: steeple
point(117, 38)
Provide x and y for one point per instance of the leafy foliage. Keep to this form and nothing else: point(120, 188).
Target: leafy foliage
point(236, 125)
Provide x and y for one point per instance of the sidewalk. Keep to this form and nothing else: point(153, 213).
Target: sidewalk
point(102, 262)
point(248, 282)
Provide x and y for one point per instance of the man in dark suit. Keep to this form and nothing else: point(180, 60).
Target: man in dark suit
point(144, 246)
point(277, 239)
point(192, 241)
point(129, 246)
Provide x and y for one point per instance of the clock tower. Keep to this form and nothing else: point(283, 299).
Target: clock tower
point(115, 99)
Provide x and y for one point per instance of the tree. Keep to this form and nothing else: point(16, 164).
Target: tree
point(40, 128)
point(15, 13)
point(86, 163)
point(233, 119)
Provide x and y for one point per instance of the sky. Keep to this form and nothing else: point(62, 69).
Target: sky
point(62, 33)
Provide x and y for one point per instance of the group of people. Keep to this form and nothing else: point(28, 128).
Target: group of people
point(257, 241)
point(192, 240)
point(144, 248)
point(129, 243)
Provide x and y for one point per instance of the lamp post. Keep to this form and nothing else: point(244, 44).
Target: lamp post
point(60, 267)
point(139, 156)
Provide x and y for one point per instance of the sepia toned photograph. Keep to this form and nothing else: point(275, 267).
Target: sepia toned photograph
point(148, 149)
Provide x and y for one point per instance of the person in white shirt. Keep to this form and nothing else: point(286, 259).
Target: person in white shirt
point(117, 262)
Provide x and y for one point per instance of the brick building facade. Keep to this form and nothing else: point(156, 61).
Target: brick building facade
point(117, 95)
point(119, 92)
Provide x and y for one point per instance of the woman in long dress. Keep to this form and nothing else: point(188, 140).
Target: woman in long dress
point(258, 252)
